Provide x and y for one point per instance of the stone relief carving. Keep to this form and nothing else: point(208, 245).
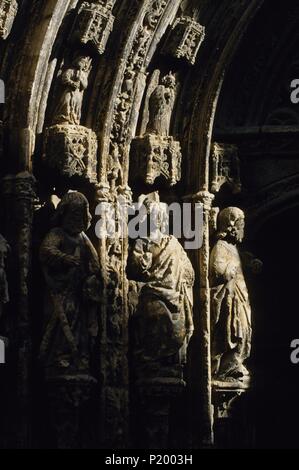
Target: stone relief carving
point(74, 82)
point(161, 102)
point(162, 324)
point(71, 149)
point(135, 63)
point(157, 153)
point(94, 23)
point(185, 39)
point(231, 326)
point(72, 274)
point(8, 12)
point(225, 167)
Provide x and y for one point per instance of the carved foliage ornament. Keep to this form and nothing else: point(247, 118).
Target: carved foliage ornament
point(185, 39)
point(157, 156)
point(8, 12)
point(94, 24)
point(72, 151)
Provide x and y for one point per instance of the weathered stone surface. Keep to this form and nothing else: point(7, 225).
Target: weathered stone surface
point(231, 323)
point(8, 12)
point(71, 150)
point(185, 39)
point(94, 24)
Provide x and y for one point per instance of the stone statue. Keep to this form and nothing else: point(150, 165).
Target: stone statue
point(163, 321)
point(230, 307)
point(4, 250)
point(73, 281)
point(161, 105)
point(74, 82)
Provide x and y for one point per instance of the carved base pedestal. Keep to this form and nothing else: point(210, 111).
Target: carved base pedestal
point(67, 395)
point(153, 402)
point(156, 156)
point(71, 151)
point(231, 423)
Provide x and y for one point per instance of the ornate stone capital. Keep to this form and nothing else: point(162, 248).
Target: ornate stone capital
point(8, 12)
point(185, 39)
point(204, 197)
point(72, 151)
point(94, 24)
point(157, 156)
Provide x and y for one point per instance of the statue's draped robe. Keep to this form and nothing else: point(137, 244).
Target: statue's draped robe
point(69, 108)
point(163, 321)
point(230, 312)
point(160, 108)
point(73, 294)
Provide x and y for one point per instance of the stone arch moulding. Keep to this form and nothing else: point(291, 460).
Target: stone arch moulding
point(112, 108)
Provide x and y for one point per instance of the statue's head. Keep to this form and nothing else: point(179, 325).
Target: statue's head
point(169, 80)
point(155, 212)
point(72, 213)
point(83, 63)
point(231, 224)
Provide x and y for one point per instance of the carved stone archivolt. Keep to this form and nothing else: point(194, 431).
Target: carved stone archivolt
point(8, 12)
point(71, 149)
point(94, 23)
point(184, 39)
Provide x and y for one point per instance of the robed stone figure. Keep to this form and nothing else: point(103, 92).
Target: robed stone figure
point(231, 325)
point(163, 322)
point(73, 289)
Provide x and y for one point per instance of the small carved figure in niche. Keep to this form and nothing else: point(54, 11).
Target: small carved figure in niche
point(115, 171)
point(74, 82)
point(74, 288)
point(163, 322)
point(230, 307)
point(4, 251)
point(161, 105)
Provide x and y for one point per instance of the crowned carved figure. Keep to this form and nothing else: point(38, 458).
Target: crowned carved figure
point(162, 324)
point(4, 250)
point(73, 283)
point(74, 82)
point(161, 105)
point(230, 306)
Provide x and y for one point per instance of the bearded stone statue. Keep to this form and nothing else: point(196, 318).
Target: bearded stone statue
point(230, 306)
